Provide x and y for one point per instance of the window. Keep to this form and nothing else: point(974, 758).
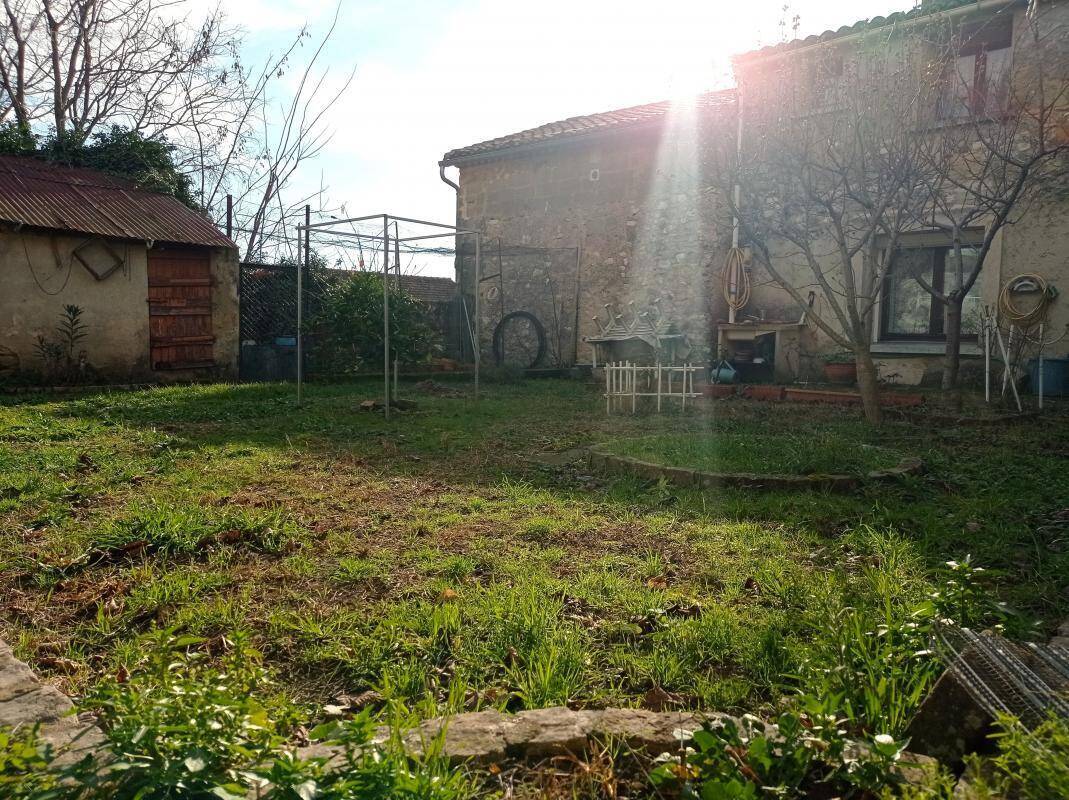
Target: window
point(908, 311)
point(977, 83)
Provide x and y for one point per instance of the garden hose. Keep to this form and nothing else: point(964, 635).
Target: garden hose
point(1033, 316)
point(735, 274)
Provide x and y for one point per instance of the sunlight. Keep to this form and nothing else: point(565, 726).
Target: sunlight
point(668, 253)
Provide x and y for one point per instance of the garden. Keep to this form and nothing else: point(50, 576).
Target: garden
point(219, 577)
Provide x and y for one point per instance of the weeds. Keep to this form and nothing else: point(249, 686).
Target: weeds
point(184, 725)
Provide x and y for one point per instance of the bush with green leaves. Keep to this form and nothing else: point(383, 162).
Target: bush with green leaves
point(24, 762)
point(751, 762)
point(184, 724)
point(347, 332)
point(147, 162)
point(875, 663)
point(1030, 765)
point(865, 677)
point(60, 358)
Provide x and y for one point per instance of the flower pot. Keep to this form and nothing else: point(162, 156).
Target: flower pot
point(840, 372)
point(719, 390)
point(762, 391)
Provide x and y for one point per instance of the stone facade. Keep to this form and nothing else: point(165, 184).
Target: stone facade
point(649, 222)
point(632, 201)
point(1037, 241)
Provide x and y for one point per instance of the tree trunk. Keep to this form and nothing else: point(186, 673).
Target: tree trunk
point(952, 360)
point(868, 386)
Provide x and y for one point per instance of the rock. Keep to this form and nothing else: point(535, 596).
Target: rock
point(546, 732)
point(1061, 637)
point(654, 732)
point(25, 702)
point(479, 736)
point(949, 723)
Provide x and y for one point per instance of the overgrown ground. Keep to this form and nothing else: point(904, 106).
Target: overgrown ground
point(434, 558)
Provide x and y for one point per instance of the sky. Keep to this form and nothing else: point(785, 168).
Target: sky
point(433, 75)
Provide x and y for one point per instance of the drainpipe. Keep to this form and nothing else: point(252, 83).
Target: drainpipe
point(441, 174)
point(736, 193)
point(456, 259)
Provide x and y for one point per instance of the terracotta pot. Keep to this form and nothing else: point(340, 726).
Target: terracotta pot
point(841, 372)
point(763, 391)
point(719, 390)
point(823, 396)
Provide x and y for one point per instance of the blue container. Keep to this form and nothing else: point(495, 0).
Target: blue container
point(1055, 376)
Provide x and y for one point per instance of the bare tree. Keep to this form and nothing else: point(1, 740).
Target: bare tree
point(824, 183)
point(997, 144)
point(77, 66)
point(273, 134)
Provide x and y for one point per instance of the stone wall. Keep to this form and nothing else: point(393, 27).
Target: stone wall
point(1036, 241)
point(635, 203)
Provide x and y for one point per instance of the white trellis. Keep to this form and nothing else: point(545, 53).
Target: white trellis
point(626, 381)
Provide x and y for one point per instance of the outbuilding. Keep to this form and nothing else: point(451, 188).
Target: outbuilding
point(154, 282)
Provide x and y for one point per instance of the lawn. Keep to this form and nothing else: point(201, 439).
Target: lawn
point(439, 560)
point(813, 452)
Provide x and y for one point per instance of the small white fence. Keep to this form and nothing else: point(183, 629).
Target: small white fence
point(626, 382)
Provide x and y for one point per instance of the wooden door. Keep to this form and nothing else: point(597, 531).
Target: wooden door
point(180, 309)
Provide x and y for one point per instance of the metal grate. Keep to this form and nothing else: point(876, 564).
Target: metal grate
point(1028, 680)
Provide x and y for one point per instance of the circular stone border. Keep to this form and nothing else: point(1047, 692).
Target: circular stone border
point(600, 459)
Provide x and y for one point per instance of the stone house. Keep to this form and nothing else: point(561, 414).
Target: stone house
point(625, 188)
point(633, 190)
point(156, 282)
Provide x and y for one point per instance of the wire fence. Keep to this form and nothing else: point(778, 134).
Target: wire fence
point(528, 307)
point(530, 302)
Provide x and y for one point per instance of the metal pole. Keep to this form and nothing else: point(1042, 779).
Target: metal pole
point(386, 314)
point(987, 359)
point(397, 287)
point(230, 217)
point(478, 313)
point(658, 387)
point(301, 267)
point(578, 284)
point(1039, 378)
point(608, 388)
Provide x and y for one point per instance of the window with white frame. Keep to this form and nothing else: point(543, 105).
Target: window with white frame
point(907, 309)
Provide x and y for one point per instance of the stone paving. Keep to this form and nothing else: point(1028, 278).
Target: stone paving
point(25, 702)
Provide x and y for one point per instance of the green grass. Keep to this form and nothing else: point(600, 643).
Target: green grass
point(430, 559)
point(804, 453)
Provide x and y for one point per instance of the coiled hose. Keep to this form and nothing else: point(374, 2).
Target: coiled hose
point(1009, 311)
point(735, 274)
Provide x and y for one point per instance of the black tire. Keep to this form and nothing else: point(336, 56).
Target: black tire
point(499, 337)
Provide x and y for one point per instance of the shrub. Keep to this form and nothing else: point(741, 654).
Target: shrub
point(24, 773)
point(1032, 765)
point(348, 329)
point(733, 762)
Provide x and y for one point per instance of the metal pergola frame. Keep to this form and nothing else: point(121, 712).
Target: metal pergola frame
point(327, 228)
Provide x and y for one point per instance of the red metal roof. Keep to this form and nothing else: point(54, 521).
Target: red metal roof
point(43, 195)
point(428, 288)
point(590, 123)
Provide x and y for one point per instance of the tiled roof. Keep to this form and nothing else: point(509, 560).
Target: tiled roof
point(44, 195)
point(429, 289)
point(924, 8)
point(589, 123)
